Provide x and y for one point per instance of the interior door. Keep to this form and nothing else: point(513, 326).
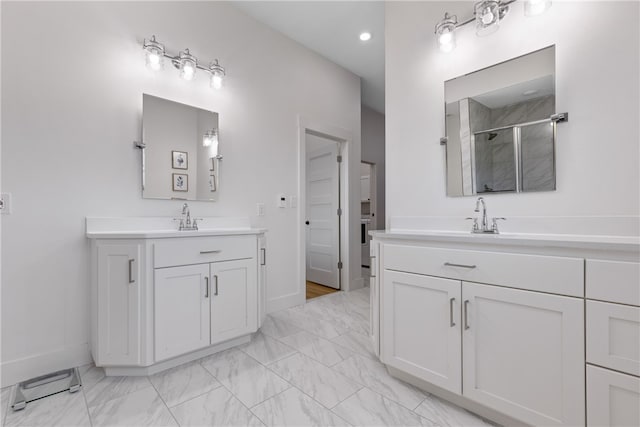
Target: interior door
point(322, 203)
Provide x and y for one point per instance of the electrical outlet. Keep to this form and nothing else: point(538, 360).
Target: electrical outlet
point(293, 201)
point(260, 207)
point(5, 203)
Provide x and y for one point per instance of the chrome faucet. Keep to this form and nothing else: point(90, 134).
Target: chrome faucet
point(485, 223)
point(484, 226)
point(185, 220)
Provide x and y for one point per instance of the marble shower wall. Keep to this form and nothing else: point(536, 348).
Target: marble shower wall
point(495, 164)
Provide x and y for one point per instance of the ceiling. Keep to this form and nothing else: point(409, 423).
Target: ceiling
point(332, 29)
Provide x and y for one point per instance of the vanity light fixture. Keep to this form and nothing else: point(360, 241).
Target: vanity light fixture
point(185, 62)
point(487, 15)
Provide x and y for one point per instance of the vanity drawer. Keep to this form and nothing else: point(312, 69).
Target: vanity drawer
point(613, 281)
point(557, 275)
point(197, 250)
point(613, 336)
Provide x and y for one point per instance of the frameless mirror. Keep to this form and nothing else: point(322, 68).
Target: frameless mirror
point(501, 127)
point(180, 158)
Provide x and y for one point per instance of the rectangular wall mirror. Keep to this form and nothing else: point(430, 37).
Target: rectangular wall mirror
point(180, 159)
point(500, 131)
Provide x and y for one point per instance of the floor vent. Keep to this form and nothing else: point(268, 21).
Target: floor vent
point(45, 385)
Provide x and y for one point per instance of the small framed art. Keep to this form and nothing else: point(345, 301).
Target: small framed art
point(179, 160)
point(180, 182)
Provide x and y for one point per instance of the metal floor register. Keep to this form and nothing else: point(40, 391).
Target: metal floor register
point(45, 385)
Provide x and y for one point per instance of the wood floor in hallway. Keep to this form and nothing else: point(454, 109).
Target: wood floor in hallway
point(316, 290)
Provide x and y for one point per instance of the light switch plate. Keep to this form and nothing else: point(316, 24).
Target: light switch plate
point(281, 201)
point(260, 208)
point(5, 203)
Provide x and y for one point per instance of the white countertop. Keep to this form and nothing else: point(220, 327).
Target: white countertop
point(598, 242)
point(164, 227)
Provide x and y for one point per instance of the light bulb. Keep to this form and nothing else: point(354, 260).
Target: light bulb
point(217, 74)
point(154, 54)
point(187, 64)
point(445, 32)
point(188, 72)
point(365, 36)
point(216, 81)
point(536, 7)
point(487, 17)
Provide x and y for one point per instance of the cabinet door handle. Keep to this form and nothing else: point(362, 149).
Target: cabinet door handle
point(264, 256)
point(450, 264)
point(206, 287)
point(131, 279)
point(216, 280)
point(215, 251)
point(466, 314)
point(452, 323)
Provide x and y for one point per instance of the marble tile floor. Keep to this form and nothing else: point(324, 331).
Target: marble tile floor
point(308, 366)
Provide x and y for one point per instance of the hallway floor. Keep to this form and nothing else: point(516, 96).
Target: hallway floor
point(315, 290)
point(309, 365)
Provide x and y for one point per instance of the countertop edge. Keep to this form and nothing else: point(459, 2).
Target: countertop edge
point(170, 234)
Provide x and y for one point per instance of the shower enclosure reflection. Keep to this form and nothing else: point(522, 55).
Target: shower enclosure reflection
point(500, 125)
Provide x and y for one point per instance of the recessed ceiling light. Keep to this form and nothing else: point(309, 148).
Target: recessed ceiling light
point(365, 36)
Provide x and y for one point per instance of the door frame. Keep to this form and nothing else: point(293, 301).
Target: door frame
point(373, 189)
point(344, 139)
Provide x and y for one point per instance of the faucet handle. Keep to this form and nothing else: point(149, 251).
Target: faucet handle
point(475, 223)
point(181, 226)
point(194, 223)
point(494, 223)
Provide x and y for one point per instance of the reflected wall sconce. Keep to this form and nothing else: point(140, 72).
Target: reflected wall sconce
point(487, 15)
point(210, 141)
point(186, 63)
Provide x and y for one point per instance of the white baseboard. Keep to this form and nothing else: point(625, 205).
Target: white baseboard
point(15, 371)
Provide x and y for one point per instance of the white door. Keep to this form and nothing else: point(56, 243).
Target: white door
point(421, 327)
point(181, 306)
point(234, 299)
point(613, 399)
point(119, 285)
point(322, 216)
point(524, 354)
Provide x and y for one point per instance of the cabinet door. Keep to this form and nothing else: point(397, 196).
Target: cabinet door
point(613, 399)
point(119, 288)
point(234, 299)
point(524, 354)
point(421, 327)
point(181, 303)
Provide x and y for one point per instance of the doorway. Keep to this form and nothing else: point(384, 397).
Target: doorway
point(368, 205)
point(323, 211)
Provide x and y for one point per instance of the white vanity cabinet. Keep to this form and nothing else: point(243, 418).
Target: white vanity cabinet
point(422, 327)
point(120, 275)
point(484, 326)
point(613, 342)
point(169, 297)
point(524, 353)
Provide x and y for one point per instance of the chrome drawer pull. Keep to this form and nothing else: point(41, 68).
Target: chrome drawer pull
point(466, 315)
point(451, 321)
point(450, 264)
point(211, 252)
point(131, 279)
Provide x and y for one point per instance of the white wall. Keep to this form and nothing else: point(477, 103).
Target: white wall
point(72, 78)
point(597, 68)
point(373, 137)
